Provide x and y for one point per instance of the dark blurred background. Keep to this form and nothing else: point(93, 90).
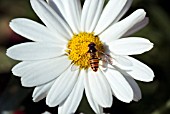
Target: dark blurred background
point(15, 99)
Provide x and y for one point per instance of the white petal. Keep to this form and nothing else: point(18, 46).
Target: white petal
point(70, 105)
point(109, 14)
point(100, 88)
point(54, 6)
point(51, 19)
point(35, 51)
point(41, 91)
point(119, 85)
point(130, 46)
point(137, 27)
point(35, 73)
point(35, 31)
point(62, 87)
point(96, 108)
point(140, 71)
point(46, 112)
point(124, 10)
point(136, 90)
point(121, 62)
point(90, 14)
point(118, 29)
point(71, 11)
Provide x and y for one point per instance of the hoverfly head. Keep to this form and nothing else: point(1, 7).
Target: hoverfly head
point(92, 44)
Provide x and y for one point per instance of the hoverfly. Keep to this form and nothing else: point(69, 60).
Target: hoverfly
point(94, 57)
point(93, 54)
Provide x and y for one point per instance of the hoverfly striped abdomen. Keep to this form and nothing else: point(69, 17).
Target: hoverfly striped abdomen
point(94, 62)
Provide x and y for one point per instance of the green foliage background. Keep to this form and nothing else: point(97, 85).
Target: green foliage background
point(156, 94)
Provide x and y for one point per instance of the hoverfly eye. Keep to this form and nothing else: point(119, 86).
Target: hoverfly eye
point(92, 44)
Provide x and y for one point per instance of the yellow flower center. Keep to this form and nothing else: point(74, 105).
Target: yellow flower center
point(78, 48)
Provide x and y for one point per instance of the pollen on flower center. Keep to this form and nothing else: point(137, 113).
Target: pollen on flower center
point(78, 48)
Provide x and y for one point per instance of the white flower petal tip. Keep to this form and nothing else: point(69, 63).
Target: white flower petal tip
point(140, 71)
point(107, 14)
point(11, 23)
point(51, 19)
point(46, 112)
point(62, 87)
point(31, 72)
point(96, 108)
point(130, 46)
point(141, 12)
point(9, 53)
point(137, 99)
point(35, 31)
point(70, 105)
point(71, 11)
point(35, 51)
point(100, 88)
point(117, 30)
point(136, 90)
point(41, 91)
point(90, 14)
point(119, 85)
point(137, 27)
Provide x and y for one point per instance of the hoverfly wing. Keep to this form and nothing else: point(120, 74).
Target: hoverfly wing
point(106, 58)
point(110, 62)
point(107, 61)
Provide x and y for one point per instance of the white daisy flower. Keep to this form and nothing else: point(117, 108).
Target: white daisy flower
point(48, 63)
